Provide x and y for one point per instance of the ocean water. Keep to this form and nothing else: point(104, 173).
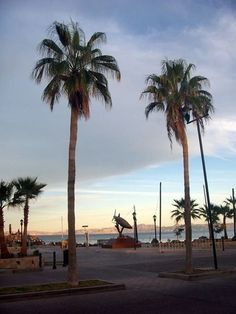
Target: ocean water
point(145, 237)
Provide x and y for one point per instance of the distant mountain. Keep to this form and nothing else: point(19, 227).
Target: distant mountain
point(141, 228)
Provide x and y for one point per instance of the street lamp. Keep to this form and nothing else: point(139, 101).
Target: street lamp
point(160, 213)
point(21, 224)
point(155, 226)
point(135, 228)
point(234, 212)
point(187, 118)
point(86, 235)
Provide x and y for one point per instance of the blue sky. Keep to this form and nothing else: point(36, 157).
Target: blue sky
point(121, 157)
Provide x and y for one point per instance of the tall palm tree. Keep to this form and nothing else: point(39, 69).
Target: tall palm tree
point(179, 212)
point(7, 199)
point(27, 189)
point(175, 93)
point(77, 69)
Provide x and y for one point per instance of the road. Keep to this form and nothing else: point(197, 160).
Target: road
point(145, 291)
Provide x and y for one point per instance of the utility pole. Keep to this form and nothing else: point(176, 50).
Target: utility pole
point(207, 194)
point(187, 118)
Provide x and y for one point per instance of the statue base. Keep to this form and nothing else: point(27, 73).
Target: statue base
point(123, 242)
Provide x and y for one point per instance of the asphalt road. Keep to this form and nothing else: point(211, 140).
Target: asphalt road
point(145, 291)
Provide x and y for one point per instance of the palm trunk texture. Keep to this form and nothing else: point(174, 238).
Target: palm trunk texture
point(225, 228)
point(24, 236)
point(4, 250)
point(72, 264)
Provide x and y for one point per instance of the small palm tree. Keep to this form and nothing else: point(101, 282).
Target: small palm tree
point(175, 93)
point(75, 68)
point(27, 189)
point(226, 212)
point(178, 231)
point(7, 199)
point(215, 211)
point(232, 201)
point(179, 212)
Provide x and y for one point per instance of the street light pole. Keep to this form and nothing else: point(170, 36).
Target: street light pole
point(135, 229)
point(86, 243)
point(155, 226)
point(160, 213)
point(187, 118)
point(135, 226)
point(207, 193)
point(21, 223)
point(233, 199)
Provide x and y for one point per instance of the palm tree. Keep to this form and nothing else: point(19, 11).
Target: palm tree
point(27, 189)
point(175, 93)
point(7, 199)
point(77, 69)
point(178, 231)
point(179, 212)
point(215, 211)
point(232, 201)
point(226, 212)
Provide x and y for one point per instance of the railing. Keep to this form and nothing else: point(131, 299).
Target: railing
point(220, 244)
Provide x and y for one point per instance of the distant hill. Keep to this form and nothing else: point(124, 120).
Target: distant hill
point(141, 228)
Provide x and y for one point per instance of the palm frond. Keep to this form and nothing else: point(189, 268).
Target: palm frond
point(106, 64)
point(153, 79)
point(62, 32)
point(96, 39)
point(100, 91)
point(154, 106)
point(40, 68)
point(49, 48)
point(51, 92)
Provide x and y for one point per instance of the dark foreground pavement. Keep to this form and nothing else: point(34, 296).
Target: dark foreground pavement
point(145, 291)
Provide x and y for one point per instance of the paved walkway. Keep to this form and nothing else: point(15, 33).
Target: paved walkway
point(138, 270)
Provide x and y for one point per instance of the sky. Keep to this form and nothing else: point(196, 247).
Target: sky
point(121, 156)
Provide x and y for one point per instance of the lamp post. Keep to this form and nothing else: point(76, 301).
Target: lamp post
point(135, 229)
point(160, 213)
point(234, 211)
point(155, 226)
point(86, 235)
point(187, 118)
point(21, 224)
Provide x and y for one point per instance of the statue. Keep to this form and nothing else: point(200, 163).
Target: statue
point(120, 224)
point(122, 241)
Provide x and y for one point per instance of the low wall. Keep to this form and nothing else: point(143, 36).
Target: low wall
point(27, 262)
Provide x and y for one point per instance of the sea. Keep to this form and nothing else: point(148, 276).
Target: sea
point(144, 237)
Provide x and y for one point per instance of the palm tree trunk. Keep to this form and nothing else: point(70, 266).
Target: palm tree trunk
point(72, 265)
point(188, 227)
point(225, 229)
point(24, 236)
point(4, 250)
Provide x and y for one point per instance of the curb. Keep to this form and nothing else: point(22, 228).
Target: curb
point(55, 293)
point(203, 274)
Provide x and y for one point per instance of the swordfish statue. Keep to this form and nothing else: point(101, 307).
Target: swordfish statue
point(120, 224)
